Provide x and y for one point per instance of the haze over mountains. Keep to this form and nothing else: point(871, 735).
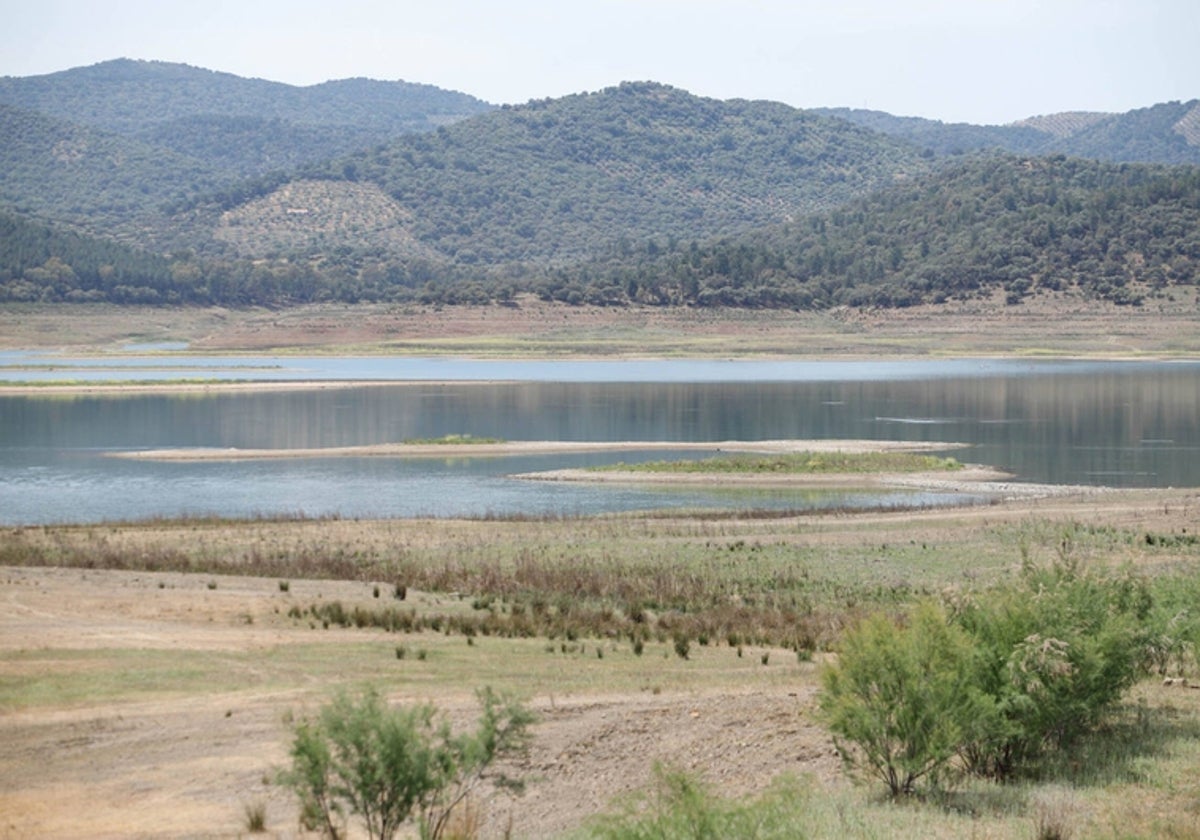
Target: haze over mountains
point(158, 182)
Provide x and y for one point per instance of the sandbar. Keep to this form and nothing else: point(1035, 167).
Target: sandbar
point(975, 480)
point(530, 447)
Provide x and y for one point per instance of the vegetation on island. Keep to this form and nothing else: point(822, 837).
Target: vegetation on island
point(796, 463)
point(452, 440)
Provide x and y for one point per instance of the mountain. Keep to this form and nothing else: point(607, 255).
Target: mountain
point(557, 180)
point(243, 127)
point(1014, 225)
point(1164, 133)
point(213, 188)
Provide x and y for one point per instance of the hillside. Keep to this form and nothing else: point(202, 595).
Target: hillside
point(945, 139)
point(39, 262)
point(1018, 225)
point(242, 127)
point(99, 181)
point(1011, 226)
point(558, 180)
point(1164, 133)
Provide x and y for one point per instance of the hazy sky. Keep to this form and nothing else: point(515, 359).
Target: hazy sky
point(982, 61)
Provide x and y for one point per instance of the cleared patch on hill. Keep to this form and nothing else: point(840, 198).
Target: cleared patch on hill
point(311, 217)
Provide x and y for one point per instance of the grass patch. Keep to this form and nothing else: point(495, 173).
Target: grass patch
point(798, 463)
point(453, 440)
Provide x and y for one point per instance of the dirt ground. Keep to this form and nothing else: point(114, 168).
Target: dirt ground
point(1050, 325)
point(185, 763)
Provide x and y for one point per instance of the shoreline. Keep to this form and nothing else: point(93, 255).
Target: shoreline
point(972, 479)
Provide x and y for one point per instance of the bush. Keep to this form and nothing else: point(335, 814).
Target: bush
point(902, 696)
point(1055, 652)
point(256, 816)
point(361, 757)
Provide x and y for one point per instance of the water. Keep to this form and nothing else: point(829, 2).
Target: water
point(24, 366)
point(1124, 424)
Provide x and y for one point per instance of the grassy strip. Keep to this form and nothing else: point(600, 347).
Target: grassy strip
point(798, 463)
point(452, 440)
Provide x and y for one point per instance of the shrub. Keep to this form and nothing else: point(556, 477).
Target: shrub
point(256, 816)
point(360, 757)
point(902, 696)
point(1055, 653)
point(682, 808)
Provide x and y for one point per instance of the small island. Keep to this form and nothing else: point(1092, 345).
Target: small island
point(794, 463)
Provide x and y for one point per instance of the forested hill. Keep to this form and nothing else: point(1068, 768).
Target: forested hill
point(1165, 133)
point(60, 170)
point(38, 262)
point(559, 179)
point(639, 192)
point(1021, 225)
point(244, 126)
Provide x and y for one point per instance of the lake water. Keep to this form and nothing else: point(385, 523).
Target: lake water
point(1125, 424)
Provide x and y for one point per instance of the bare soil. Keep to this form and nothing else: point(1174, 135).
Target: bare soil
point(1061, 325)
point(185, 763)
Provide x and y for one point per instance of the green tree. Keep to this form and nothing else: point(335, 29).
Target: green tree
point(360, 757)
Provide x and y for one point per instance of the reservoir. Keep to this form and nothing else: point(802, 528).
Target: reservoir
point(1126, 424)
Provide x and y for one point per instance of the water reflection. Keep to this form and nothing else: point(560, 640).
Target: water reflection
point(1128, 425)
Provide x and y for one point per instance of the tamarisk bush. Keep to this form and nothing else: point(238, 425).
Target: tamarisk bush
point(902, 696)
point(995, 680)
point(360, 757)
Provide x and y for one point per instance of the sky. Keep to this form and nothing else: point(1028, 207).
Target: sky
point(978, 61)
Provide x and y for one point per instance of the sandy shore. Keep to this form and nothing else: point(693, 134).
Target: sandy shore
point(531, 447)
point(973, 479)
